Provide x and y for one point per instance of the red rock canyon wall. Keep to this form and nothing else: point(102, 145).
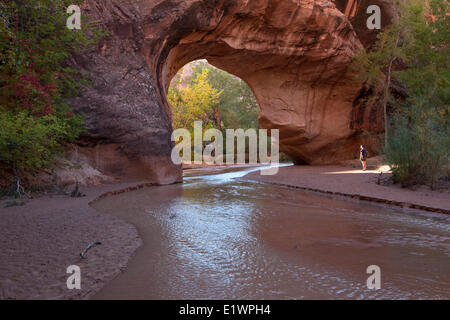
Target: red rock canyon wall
point(294, 54)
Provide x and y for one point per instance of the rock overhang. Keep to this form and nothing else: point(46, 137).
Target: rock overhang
point(294, 54)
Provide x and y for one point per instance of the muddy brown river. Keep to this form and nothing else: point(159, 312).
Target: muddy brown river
point(218, 237)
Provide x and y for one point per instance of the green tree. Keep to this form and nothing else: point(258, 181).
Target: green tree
point(418, 147)
point(28, 142)
point(375, 66)
point(194, 102)
point(220, 100)
point(35, 80)
point(237, 107)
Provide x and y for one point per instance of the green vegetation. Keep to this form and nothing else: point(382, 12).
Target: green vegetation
point(213, 96)
point(194, 102)
point(28, 142)
point(35, 81)
point(201, 92)
point(414, 50)
point(237, 107)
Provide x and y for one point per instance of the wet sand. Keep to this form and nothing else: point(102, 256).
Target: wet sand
point(42, 238)
point(356, 184)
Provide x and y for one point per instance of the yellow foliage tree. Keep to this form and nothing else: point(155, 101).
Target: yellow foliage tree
point(194, 102)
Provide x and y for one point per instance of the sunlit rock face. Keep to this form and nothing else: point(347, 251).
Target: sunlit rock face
point(294, 54)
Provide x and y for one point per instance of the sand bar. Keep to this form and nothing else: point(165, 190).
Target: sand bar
point(40, 239)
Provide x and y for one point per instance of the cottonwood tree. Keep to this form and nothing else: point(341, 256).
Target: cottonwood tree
point(374, 65)
point(417, 139)
point(193, 102)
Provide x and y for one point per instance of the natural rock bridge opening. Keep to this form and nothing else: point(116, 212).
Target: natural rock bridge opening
point(229, 103)
point(294, 54)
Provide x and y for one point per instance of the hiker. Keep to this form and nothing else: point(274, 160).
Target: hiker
point(363, 155)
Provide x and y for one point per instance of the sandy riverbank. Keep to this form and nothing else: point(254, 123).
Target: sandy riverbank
point(40, 239)
point(350, 182)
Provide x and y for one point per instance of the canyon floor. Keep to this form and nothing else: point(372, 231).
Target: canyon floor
point(41, 238)
point(44, 236)
point(350, 182)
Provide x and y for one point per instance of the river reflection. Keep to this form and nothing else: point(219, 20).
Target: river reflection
point(218, 237)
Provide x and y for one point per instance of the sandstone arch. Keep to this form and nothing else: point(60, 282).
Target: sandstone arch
point(294, 54)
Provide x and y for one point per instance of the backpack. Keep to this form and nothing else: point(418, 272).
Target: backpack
point(365, 154)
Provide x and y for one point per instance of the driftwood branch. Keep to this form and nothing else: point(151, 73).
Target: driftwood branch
point(88, 247)
point(17, 189)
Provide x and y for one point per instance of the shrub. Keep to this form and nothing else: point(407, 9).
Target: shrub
point(414, 50)
point(418, 148)
point(30, 143)
point(35, 81)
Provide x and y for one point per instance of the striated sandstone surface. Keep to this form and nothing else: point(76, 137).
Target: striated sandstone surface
point(294, 54)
